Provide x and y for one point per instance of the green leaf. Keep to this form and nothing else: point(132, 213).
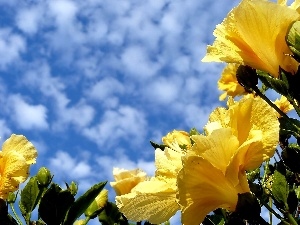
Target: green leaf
point(280, 189)
point(292, 201)
point(291, 157)
point(293, 39)
point(215, 219)
point(289, 126)
point(110, 215)
point(194, 131)
point(160, 146)
point(29, 197)
point(82, 203)
point(54, 205)
point(274, 83)
point(253, 174)
point(297, 191)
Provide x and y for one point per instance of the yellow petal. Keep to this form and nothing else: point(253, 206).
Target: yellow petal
point(153, 200)
point(228, 82)
point(202, 189)
point(15, 158)
point(177, 139)
point(13, 171)
point(20, 144)
point(218, 148)
point(296, 5)
point(102, 198)
point(253, 118)
point(256, 126)
point(283, 104)
point(253, 33)
point(167, 162)
point(126, 180)
point(217, 119)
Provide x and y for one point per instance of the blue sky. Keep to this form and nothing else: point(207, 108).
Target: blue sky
point(91, 82)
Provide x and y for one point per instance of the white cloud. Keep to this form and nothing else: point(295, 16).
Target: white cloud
point(64, 166)
point(39, 77)
point(120, 160)
point(170, 24)
point(137, 62)
point(27, 116)
point(124, 123)
point(196, 116)
point(79, 114)
point(89, 66)
point(107, 91)
point(28, 19)
point(5, 131)
point(162, 91)
point(64, 11)
point(182, 64)
point(11, 46)
point(40, 146)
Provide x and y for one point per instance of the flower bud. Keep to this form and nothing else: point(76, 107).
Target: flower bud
point(11, 198)
point(73, 188)
point(44, 177)
point(100, 201)
point(247, 206)
point(292, 39)
point(79, 222)
point(247, 77)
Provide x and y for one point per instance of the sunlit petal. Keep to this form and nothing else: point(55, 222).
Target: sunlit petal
point(253, 34)
point(153, 200)
point(203, 188)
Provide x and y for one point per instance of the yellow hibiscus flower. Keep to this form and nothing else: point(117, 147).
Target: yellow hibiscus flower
point(177, 140)
point(155, 199)
point(295, 5)
point(204, 183)
point(253, 34)
point(283, 104)
point(254, 123)
point(15, 159)
point(228, 82)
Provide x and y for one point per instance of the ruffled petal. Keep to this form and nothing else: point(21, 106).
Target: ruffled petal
point(167, 162)
point(126, 180)
point(153, 200)
point(14, 170)
point(20, 144)
point(253, 33)
point(202, 189)
point(217, 148)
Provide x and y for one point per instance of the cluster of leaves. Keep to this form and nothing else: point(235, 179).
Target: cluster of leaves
point(57, 206)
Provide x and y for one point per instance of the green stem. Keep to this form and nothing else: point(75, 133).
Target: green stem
point(292, 219)
point(15, 214)
point(290, 216)
point(272, 211)
point(270, 214)
point(294, 105)
point(258, 92)
point(224, 215)
point(87, 219)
